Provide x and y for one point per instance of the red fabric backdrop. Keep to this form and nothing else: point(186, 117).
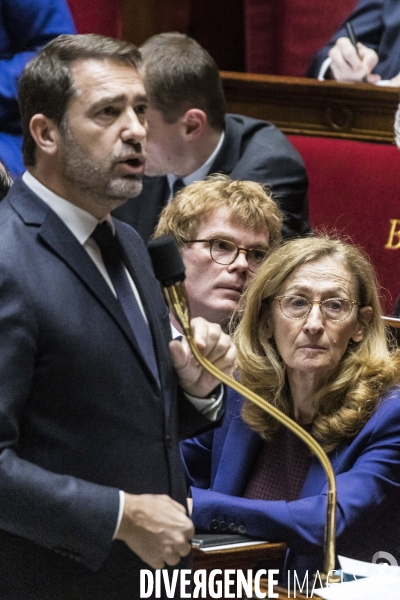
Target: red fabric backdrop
point(355, 189)
point(97, 16)
point(281, 36)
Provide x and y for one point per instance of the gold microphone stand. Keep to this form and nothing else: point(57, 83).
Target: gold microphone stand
point(391, 322)
point(178, 302)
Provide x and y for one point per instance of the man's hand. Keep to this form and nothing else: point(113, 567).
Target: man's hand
point(156, 528)
point(348, 66)
point(215, 345)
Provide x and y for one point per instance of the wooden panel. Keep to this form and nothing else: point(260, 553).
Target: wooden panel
point(144, 18)
point(267, 555)
point(219, 28)
point(309, 107)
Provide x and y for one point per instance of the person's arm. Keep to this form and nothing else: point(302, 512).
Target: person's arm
point(156, 527)
point(372, 480)
point(201, 454)
point(62, 513)
point(367, 23)
point(26, 26)
point(197, 459)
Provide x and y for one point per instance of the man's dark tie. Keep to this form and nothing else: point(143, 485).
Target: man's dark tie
point(177, 186)
point(108, 245)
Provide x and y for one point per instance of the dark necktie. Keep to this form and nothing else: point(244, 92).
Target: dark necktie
point(108, 245)
point(177, 186)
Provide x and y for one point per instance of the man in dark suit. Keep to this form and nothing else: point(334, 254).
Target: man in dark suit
point(190, 136)
point(376, 24)
point(91, 406)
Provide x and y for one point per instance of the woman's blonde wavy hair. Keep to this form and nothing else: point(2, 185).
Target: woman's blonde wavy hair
point(368, 368)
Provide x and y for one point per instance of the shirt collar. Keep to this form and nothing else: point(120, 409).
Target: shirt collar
point(202, 171)
point(80, 222)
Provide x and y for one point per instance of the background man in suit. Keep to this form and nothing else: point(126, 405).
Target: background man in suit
point(225, 229)
point(25, 26)
point(190, 136)
point(376, 24)
point(91, 407)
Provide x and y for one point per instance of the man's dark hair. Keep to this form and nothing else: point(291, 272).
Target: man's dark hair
point(47, 85)
point(6, 180)
point(179, 74)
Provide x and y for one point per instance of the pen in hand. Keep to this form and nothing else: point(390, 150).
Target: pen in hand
point(352, 37)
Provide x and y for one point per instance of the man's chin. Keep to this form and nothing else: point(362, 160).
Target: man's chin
point(126, 187)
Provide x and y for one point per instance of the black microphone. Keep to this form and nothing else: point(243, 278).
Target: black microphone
point(170, 271)
point(167, 260)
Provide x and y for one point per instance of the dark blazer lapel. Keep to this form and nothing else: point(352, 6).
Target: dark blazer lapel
point(316, 479)
point(62, 242)
point(229, 153)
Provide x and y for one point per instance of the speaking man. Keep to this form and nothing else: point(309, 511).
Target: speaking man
point(190, 136)
point(91, 406)
point(225, 229)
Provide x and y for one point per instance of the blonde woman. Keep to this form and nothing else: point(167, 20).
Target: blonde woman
point(311, 342)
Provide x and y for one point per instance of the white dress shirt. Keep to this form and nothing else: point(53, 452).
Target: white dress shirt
point(200, 173)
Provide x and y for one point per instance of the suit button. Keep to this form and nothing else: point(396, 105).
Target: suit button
point(241, 529)
point(232, 528)
point(168, 441)
point(214, 525)
point(223, 526)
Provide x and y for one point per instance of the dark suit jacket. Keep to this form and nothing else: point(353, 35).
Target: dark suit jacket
point(252, 150)
point(81, 416)
point(376, 24)
point(368, 489)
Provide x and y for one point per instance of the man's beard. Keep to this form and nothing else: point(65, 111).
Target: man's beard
point(95, 178)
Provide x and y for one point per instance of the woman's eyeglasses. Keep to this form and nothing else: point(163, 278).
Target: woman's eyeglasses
point(333, 309)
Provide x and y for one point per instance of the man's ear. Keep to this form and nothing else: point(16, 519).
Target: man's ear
point(364, 316)
point(194, 121)
point(45, 133)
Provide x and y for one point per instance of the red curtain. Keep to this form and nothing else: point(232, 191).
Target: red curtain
point(281, 36)
point(360, 201)
point(97, 16)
